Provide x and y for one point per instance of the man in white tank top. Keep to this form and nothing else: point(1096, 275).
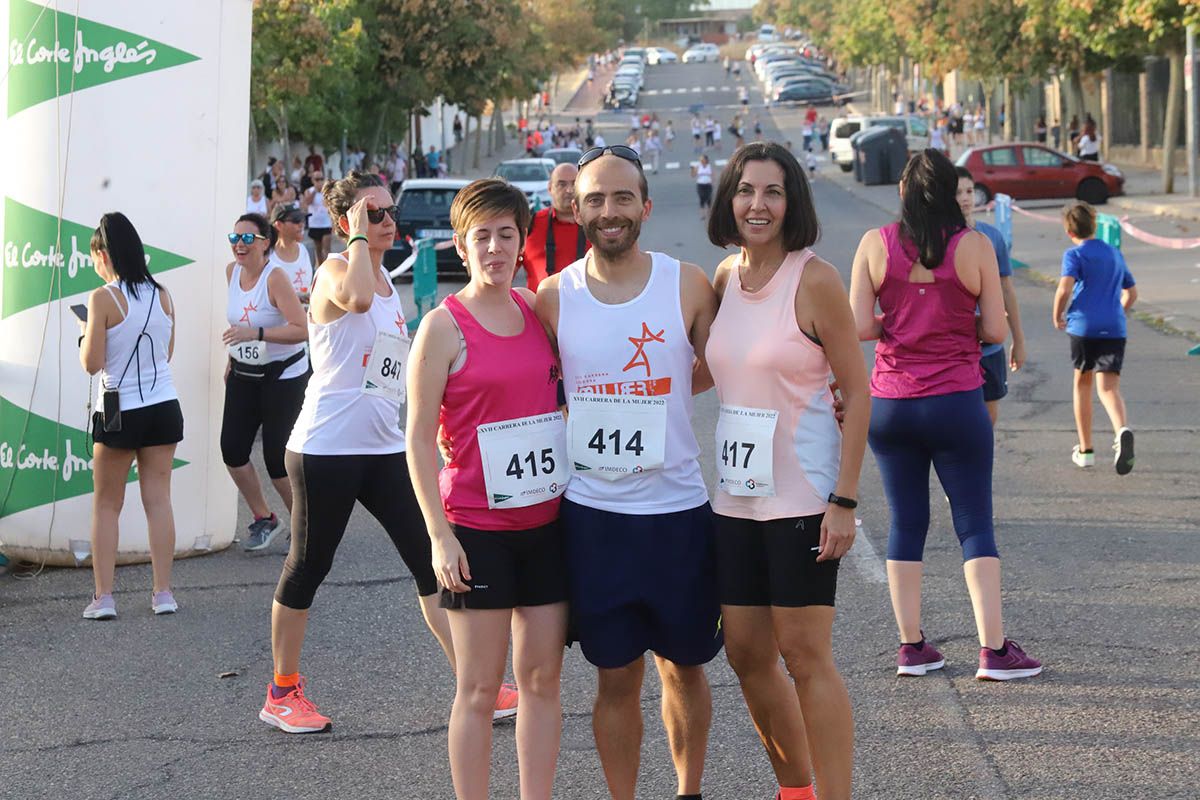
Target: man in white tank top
point(629, 326)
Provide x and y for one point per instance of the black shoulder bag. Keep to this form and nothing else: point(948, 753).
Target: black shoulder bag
point(112, 397)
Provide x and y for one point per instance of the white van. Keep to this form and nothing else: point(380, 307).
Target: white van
point(916, 132)
point(767, 34)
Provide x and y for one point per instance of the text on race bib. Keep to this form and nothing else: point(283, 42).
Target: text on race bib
point(615, 436)
point(524, 460)
point(745, 440)
point(387, 367)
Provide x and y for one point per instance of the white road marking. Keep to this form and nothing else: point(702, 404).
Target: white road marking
point(667, 91)
point(864, 558)
point(720, 162)
point(696, 90)
point(671, 165)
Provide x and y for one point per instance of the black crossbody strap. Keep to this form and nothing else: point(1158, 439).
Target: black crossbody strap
point(137, 351)
point(551, 264)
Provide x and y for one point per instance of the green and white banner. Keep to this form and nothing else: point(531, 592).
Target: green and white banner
point(135, 106)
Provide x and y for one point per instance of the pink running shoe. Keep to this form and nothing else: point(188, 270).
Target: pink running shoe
point(1010, 666)
point(102, 607)
point(293, 713)
point(918, 659)
point(506, 702)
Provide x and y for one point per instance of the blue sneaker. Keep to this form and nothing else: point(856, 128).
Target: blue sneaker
point(262, 533)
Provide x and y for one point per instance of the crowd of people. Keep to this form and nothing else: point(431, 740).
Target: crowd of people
point(513, 516)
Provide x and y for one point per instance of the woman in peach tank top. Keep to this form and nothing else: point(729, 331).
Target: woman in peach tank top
point(788, 471)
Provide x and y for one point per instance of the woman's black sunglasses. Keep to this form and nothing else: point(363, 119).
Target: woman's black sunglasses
point(376, 215)
point(618, 150)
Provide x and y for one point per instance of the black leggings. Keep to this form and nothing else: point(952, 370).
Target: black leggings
point(324, 490)
point(250, 404)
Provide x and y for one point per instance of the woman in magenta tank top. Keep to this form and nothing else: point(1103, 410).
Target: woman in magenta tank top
point(788, 473)
point(928, 273)
point(483, 382)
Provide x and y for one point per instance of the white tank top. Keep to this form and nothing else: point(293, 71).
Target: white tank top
point(254, 310)
point(318, 214)
point(640, 347)
point(337, 419)
point(148, 380)
point(704, 174)
point(299, 272)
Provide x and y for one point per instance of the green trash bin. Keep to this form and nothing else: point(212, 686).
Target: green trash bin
point(424, 274)
point(1108, 230)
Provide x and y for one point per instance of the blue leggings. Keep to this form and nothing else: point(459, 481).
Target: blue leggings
point(953, 432)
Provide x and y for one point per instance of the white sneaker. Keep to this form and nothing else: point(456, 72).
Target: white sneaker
point(163, 603)
point(1123, 445)
point(1081, 459)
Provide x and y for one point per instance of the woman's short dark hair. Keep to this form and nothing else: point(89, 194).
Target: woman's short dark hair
point(800, 226)
point(116, 237)
point(929, 212)
point(341, 194)
point(265, 228)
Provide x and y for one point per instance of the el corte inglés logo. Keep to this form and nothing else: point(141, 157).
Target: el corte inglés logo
point(51, 53)
point(31, 256)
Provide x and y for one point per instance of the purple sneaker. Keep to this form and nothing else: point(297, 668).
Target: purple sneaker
point(102, 607)
point(917, 659)
point(1010, 666)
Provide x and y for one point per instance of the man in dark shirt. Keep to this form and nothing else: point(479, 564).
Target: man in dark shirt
point(544, 257)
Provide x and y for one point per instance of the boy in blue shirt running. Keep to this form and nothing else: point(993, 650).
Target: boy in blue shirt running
point(1094, 293)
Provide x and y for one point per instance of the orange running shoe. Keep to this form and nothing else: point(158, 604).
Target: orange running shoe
point(295, 713)
point(506, 702)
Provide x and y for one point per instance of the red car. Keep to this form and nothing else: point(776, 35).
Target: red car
point(1030, 171)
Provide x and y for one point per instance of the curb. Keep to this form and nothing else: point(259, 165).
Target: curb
point(1176, 210)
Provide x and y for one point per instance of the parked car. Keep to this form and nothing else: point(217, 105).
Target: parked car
point(841, 150)
point(530, 175)
point(767, 34)
point(1028, 171)
point(705, 51)
point(805, 90)
point(563, 155)
point(635, 52)
point(633, 73)
point(660, 55)
point(423, 212)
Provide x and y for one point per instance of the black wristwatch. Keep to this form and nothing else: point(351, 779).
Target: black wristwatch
point(844, 502)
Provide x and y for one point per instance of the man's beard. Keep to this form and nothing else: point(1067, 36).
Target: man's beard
point(613, 248)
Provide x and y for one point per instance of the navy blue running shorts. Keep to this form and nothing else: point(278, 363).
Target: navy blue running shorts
point(642, 582)
point(995, 375)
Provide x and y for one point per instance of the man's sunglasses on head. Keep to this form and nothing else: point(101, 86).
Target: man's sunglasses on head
point(618, 150)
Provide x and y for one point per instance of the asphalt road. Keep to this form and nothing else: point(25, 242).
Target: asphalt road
point(1101, 577)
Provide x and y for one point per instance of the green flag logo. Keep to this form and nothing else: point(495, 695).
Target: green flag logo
point(51, 53)
point(50, 462)
point(32, 254)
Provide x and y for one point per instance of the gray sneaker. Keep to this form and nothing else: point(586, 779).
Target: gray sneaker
point(262, 533)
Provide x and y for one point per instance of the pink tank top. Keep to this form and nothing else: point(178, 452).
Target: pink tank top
point(503, 378)
point(929, 344)
point(761, 359)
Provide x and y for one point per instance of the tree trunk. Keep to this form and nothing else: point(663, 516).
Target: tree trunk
point(280, 118)
point(491, 132)
point(1171, 125)
point(500, 133)
point(1007, 108)
point(253, 166)
point(377, 134)
point(478, 140)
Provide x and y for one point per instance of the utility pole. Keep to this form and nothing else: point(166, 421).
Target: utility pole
point(1189, 87)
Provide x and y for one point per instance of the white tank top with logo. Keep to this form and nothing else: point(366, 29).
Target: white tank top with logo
point(148, 379)
point(254, 309)
point(299, 272)
point(318, 214)
point(338, 418)
point(638, 348)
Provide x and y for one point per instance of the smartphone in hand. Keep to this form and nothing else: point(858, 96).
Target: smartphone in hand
point(80, 311)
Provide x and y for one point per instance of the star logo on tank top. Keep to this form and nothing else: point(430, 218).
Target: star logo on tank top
point(246, 309)
point(400, 321)
point(648, 386)
point(640, 359)
point(298, 281)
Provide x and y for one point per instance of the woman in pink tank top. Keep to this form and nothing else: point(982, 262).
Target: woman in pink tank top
point(928, 273)
point(788, 474)
point(483, 381)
